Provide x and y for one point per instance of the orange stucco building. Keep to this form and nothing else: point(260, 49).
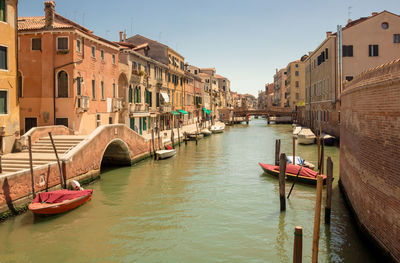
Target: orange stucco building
point(69, 75)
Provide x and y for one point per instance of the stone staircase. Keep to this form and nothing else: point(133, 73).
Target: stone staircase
point(42, 153)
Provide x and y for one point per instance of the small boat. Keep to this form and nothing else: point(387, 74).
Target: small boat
point(299, 161)
point(164, 154)
point(306, 175)
point(329, 140)
point(206, 132)
point(60, 201)
point(296, 131)
point(194, 136)
point(217, 129)
point(306, 136)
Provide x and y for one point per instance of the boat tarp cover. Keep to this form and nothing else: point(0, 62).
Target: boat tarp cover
point(292, 169)
point(306, 132)
point(297, 130)
point(60, 196)
point(183, 111)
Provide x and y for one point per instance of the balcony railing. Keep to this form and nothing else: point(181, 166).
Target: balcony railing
point(136, 107)
point(165, 107)
point(82, 103)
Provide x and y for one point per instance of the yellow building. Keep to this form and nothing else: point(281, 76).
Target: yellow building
point(295, 83)
point(9, 108)
point(176, 78)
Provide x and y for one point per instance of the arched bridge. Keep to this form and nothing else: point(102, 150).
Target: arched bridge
point(271, 111)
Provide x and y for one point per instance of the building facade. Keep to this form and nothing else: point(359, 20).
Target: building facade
point(279, 88)
point(69, 75)
point(295, 84)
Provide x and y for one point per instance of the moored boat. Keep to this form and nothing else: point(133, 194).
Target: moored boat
point(306, 175)
point(164, 154)
point(296, 131)
point(329, 140)
point(299, 161)
point(217, 129)
point(306, 136)
point(60, 201)
point(206, 132)
point(194, 136)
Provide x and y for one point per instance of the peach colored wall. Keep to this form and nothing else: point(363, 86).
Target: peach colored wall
point(37, 68)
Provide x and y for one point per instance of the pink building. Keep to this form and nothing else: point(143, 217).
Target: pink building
point(69, 75)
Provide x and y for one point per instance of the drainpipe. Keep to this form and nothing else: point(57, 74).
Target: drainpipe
point(54, 75)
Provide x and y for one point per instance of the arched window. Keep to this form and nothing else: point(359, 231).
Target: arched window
point(130, 94)
point(62, 84)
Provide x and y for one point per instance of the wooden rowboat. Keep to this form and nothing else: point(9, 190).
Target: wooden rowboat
point(164, 154)
point(306, 176)
point(57, 202)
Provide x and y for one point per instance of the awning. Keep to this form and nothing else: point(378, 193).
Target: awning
point(206, 111)
point(175, 112)
point(183, 112)
point(165, 96)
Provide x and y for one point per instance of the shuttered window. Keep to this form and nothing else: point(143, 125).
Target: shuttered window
point(3, 10)
point(3, 102)
point(62, 81)
point(373, 50)
point(62, 43)
point(348, 51)
point(36, 44)
point(3, 58)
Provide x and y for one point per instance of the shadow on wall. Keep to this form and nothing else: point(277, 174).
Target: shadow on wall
point(6, 191)
point(116, 154)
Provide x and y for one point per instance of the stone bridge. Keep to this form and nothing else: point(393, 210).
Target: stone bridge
point(271, 111)
point(81, 159)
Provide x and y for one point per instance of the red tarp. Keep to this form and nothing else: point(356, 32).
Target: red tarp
point(293, 169)
point(168, 147)
point(60, 195)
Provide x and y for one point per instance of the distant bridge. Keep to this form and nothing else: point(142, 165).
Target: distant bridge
point(284, 114)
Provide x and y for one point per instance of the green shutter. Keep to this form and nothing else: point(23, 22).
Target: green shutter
point(130, 95)
point(3, 102)
point(132, 123)
point(3, 10)
point(3, 57)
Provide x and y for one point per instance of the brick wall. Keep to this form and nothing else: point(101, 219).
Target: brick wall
point(370, 153)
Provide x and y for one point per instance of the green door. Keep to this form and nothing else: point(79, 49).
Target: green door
point(132, 123)
point(140, 125)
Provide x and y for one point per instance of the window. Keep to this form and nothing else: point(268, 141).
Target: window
point(297, 96)
point(114, 91)
point(62, 43)
point(3, 58)
point(3, 102)
point(110, 120)
point(93, 52)
point(113, 59)
point(157, 99)
point(373, 50)
point(78, 86)
point(102, 90)
point(130, 96)
point(78, 45)
point(93, 89)
point(296, 73)
point(297, 84)
point(297, 65)
point(62, 121)
point(396, 38)
point(62, 84)
point(102, 55)
point(349, 78)
point(348, 51)
point(3, 10)
point(326, 54)
point(137, 95)
point(36, 44)
point(98, 120)
point(385, 25)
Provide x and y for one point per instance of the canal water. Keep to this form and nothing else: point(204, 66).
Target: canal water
point(209, 203)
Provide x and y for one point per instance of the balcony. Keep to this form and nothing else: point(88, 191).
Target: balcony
point(117, 104)
point(166, 107)
point(137, 107)
point(82, 103)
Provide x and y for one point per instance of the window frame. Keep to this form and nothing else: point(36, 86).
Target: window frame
point(94, 88)
point(396, 38)
point(102, 55)
point(102, 90)
point(114, 58)
point(62, 49)
point(79, 48)
point(93, 51)
point(57, 82)
point(5, 12)
point(347, 51)
point(7, 63)
point(372, 51)
point(7, 108)
point(35, 38)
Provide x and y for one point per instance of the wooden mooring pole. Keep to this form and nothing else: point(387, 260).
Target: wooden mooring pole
point(277, 151)
point(282, 175)
point(179, 136)
point(294, 150)
point(329, 179)
point(317, 220)
point(31, 166)
point(321, 171)
point(62, 181)
point(298, 245)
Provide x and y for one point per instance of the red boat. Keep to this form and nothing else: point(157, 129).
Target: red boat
point(306, 175)
point(61, 201)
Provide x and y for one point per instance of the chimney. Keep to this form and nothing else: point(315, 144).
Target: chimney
point(349, 21)
point(121, 34)
point(124, 37)
point(374, 13)
point(49, 13)
point(329, 33)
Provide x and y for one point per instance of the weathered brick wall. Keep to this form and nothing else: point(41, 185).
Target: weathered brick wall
point(370, 153)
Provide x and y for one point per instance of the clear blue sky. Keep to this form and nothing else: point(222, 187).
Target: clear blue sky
point(244, 40)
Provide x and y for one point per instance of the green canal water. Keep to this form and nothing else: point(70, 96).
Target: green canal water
point(209, 203)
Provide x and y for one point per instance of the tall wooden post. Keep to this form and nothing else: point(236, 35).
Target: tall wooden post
point(173, 138)
point(159, 138)
point(179, 136)
point(152, 141)
point(298, 245)
point(31, 166)
point(277, 150)
point(1, 167)
point(62, 181)
point(319, 152)
point(329, 179)
point(317, 220)
point(282, 175)
point(322, 157)
point(294, 150)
